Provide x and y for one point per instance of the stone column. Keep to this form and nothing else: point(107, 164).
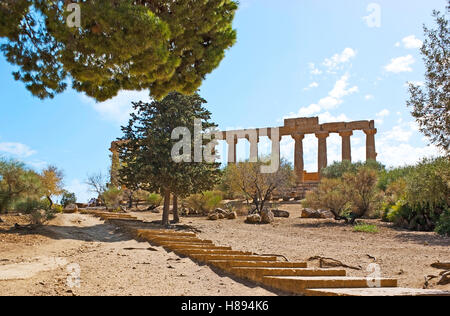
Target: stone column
point(371, 153)
point(115, 164)
point(253, 139)
point(232, 149)
point(275, 138)
point(322, 155)
point(346, 145)
point(298, 156)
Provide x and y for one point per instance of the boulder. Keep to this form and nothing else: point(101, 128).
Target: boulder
point(220, 215)
point(326, 214)
point(213, 217)
point(310, 213)
point(253, 219)
point(71, 208)
point(267, 216)
point(220, 211)
point(279, 213)
point(232, 215)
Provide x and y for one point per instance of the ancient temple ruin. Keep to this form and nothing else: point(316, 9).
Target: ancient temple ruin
point(297, 128)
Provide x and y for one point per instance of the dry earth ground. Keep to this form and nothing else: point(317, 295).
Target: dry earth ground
point(111, 263)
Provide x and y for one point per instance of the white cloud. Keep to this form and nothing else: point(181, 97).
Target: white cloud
point(383, 113)
point(411, 42)
point(369, 97)
point(333, 100)
point(400, 64)
point(314, 70)
point(118, 109)
point(81, 190)
point(17, 149)
point(312, 86)
point(336, 60)
point(327, 117)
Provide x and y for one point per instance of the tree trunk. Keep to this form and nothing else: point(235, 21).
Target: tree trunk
point(50, 201)
point(176, 216)
point(166, 209)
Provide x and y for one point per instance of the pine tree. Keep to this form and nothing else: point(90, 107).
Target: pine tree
point(145, 150)
point(159, 45)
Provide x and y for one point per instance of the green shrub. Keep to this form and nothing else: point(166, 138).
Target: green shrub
point(38, 211)
point(338, 169)
point(58, 208)
point(39, 217)
point(204, 202)
point(365, 228)
point(428, 185)
point(388, 177)
point(112, 198)
point(154, 200)
point(443, 225)
point(28, 205)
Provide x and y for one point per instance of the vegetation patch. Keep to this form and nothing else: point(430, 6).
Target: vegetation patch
point(365, 228)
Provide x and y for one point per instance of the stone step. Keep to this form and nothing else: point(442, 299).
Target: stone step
point(298, 284)
point(228, 264)
point(163, 239)
point(386, 291)
point(186, 243)
point(163, 233)
point(208, 258)
point(257, 274)
point(195, 246)
point(190, 252)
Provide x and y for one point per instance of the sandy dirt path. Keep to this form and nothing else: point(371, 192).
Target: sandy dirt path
point(80, 255)
point(401, 254)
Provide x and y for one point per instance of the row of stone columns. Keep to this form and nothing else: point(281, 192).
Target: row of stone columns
point(298, 153)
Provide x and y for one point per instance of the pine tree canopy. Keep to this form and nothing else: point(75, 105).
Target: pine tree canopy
point(160, 45)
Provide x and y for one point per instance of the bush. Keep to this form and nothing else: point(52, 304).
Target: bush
point(338, 169)
point(154, 200)
point(112, 198)
point(28, 205)
point(39, 217)
point(38, 210)
point(204, 202)
point(425, 198)
point(330, 196)
point(443, 225)
point(58, 208)
point(362, 192)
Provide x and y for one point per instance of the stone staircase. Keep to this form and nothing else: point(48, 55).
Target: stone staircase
point(265, 270)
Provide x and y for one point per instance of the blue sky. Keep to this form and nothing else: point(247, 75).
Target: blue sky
point(292, 58)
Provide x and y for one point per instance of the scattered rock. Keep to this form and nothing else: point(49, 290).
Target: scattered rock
point(220, 211)
point(71, 208)
point(213, 217)
point(319, 214)
point(310, 213)
point(232, 215)
point(253, 219)
point(279, 213)
point(267, 217)
point(325, 214)
point(220, 215)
